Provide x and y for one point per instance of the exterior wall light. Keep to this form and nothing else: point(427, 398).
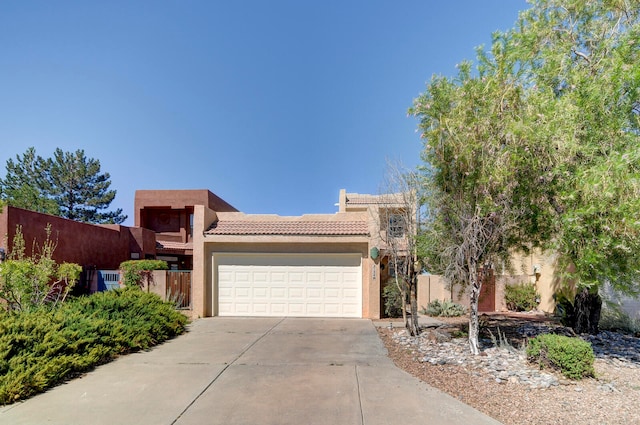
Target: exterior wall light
point(374, 253)
point(3, 255)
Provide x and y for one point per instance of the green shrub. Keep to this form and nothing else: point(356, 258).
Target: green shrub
point(392, 299)
point(444, 308)
point(522, 297)
point(573, 357)
point(30, 281)
point(42, 347)
point(135, 273)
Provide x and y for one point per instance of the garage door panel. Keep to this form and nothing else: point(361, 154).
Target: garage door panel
point(296, 277)
point(243, 293)
point(289, 285)
point(260, 293)
point(277, 309)
point(260, 308)
point(260, 276)
point(351, 309)
point(296, 293)
point(277, 276)
point(314, 293)
point(350, 293)
point(280, 293)
point(314, 277)
point(239, 276)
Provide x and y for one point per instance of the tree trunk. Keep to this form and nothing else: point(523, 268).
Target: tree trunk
point(403, 296)
point(587, 307)
point(474, 324)
point(413, 301)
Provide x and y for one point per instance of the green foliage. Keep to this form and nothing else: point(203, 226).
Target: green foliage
point(69, 185)
point(30, 281)
point(43, 347)
point(521, 297)
point(392, 299)
point(80, 189)
point(539, 145)
point(564, 306)
point(444, 308)
point(573, 357)
point(138, 272)
point(25, 185)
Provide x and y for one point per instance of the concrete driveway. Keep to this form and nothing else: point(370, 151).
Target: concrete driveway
point(251, 371)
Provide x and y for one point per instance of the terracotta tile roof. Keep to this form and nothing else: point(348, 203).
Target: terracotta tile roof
point(169, 245)
point(289, 227)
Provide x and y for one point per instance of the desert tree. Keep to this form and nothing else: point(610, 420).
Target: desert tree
point(474, 147)
point(399, 215)
point(538, 146)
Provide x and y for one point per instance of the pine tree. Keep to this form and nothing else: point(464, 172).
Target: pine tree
point(69, 185)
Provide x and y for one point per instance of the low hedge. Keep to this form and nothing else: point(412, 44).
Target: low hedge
point(44, 347)
point(573, 357)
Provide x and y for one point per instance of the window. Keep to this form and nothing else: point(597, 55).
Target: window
point(396, 226)
point(190, 225)
point(396, 267)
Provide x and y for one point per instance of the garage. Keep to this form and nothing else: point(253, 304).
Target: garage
point(299, 285)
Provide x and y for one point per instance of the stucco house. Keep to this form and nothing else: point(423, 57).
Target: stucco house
point(318, 265)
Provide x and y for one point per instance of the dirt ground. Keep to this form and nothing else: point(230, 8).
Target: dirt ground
point(574, 402)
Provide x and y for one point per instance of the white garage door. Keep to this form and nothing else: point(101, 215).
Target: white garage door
point(314, 285)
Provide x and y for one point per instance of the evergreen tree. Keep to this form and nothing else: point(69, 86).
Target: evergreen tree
point(69, 185)
point(25, 185)
point(79, 189)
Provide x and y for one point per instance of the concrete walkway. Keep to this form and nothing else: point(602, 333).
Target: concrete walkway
point(251, 371)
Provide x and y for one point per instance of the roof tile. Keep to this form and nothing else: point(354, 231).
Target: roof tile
point(289, 227)
point(169, 245)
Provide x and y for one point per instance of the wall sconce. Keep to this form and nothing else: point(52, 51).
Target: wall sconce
point(3, 255)
point(374, 253)
point(537, 268)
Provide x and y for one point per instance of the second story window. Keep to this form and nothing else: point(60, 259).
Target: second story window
point(396, 226)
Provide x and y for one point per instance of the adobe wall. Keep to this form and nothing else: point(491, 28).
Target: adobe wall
point(99, 246)
point(177, 199)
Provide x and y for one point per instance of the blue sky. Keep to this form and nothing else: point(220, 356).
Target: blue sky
point(273, 105)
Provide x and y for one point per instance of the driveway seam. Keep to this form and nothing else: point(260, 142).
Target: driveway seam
point(359, 396)
point(223, 370)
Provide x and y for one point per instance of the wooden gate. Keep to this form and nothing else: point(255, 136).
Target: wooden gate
point(487, 300)
point(179, 288)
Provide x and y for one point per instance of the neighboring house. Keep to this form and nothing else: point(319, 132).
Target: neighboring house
point(92, 246)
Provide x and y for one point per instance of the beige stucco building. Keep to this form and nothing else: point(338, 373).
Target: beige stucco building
point(320, 265)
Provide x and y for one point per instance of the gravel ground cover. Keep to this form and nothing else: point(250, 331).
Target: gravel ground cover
point(613, 397)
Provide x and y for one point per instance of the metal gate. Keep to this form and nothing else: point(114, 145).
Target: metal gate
point(108, 280)
point(179, 288)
